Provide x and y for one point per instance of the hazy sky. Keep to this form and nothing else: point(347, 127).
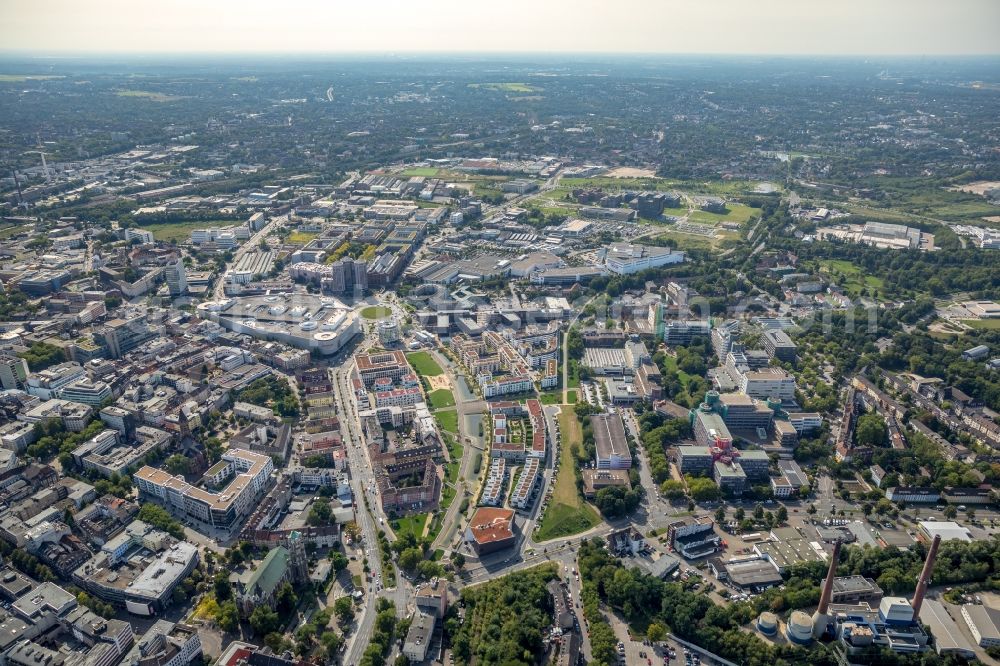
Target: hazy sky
point(394, 26)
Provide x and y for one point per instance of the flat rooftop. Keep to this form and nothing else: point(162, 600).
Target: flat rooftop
point(609, 436)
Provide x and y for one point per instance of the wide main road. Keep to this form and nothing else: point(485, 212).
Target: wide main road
point(361, 476)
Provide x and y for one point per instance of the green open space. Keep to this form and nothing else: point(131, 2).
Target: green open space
point(681, 241)
point(551, 397)
point(612, 184)
point(441, 398)
point(447, 419)
point(409, 525)
point(573, 379)
point(567, 512)
point(983, 324)
point(670, 364)
point(181, 231)
point(455, 449)
point(735, 213)
point(148, 95)
point(447, 497)
point(512, 86)
point(426, 172)
point(375, 312)
point(422, 362)
point(852, 278)
point(571, 397)
point(301, 237)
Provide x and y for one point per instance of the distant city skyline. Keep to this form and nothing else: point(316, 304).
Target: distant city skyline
point(762, 27)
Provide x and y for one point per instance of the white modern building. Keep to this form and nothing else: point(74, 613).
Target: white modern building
point(628, 258)
point(176, 276)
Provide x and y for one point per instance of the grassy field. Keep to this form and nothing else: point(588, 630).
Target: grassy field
point(181, 231)
point(567, 513)
point(737, 213)
point(148, 95)
point(410, 525)
point(854, 278)
point(609, 183)
point(551, 397)
point(426, 172)
point(455, 451)
point(301, 237)
point(983, 324)
point(681, 241)
point(375, 312)
point(447, 420)
point(422, 362)
point(571, 396)
point(441, 398)
point(506, 87)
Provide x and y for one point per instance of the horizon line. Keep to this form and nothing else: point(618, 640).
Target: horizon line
point(69, 53)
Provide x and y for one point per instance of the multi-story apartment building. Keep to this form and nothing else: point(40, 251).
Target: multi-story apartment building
point(526, 488)
point(222, 509)
point(495, 484)
point(391, 364)
point(506, 386)
point(398, 397)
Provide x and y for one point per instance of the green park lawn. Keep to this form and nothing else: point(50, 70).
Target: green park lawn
point(301, 237)
point(551, 397)
point(422, 362)
point(516, 87)
point(737, 213)
point(426, 172)
point(853, 279)
point(441, 398)
point(410, 525)
point(567, 512)
point(148, 95)
point(447, 419)
point(375, 312)
point(983, 324)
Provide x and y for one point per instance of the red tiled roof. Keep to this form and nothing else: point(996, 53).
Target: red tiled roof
point(492, 524)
